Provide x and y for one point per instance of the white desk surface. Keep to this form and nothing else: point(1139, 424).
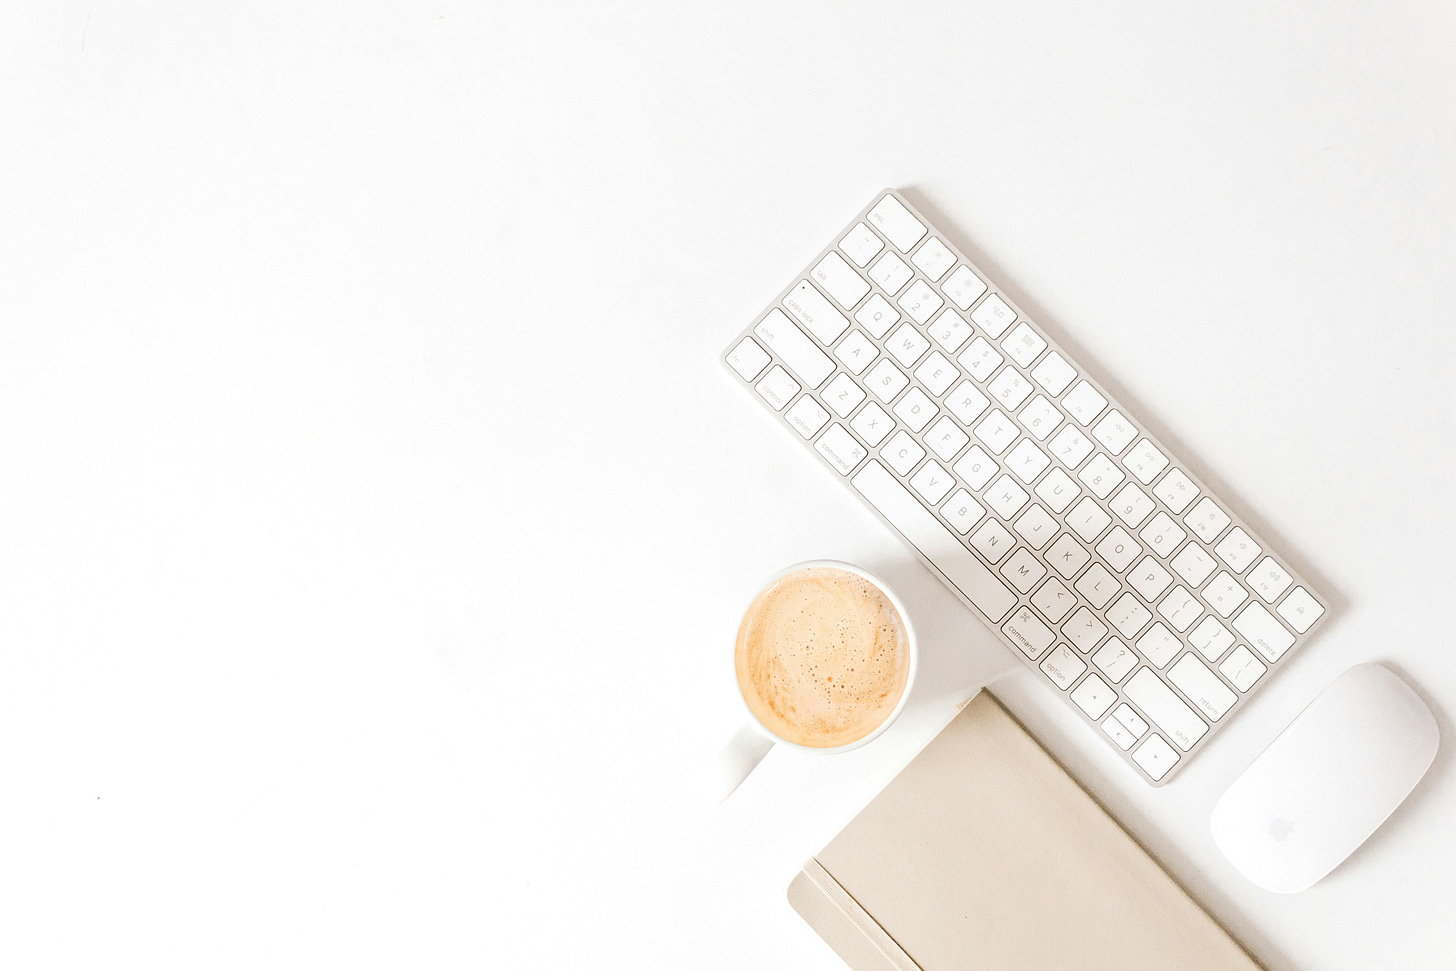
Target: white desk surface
point(375, 517)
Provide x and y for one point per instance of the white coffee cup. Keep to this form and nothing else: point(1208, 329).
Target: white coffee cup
point(754, 740)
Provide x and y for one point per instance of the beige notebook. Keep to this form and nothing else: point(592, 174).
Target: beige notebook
point(984, 853)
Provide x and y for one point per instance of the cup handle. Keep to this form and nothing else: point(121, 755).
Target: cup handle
point(736, 760)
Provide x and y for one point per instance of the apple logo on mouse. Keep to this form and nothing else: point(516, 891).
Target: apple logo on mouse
point(1280, 828)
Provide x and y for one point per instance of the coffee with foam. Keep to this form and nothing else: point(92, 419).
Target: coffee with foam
point(822, 657)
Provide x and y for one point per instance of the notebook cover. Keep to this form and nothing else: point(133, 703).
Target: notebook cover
point(983, 853)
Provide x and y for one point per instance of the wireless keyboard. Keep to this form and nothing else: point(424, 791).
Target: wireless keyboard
point(1093, 553)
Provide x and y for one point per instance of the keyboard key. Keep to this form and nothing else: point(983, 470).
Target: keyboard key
point(886, 381)
point(1063, 667)
point(1098, 586)
point(1120, 736)
point(1054, 600)
point(950, 331)
point(1101, 475)
point(966, 402)
point(877, 316)
point(1058, 490)
point(993, 316)
point(906, 345)
point(933, 258)
point(896, 222)
point(806, 417)
point(1180, 609)
point(840, 448)
point(1114, 431)
point(1224, 594)
point(932, 482)
point(1149, 579)
point(856, 352)
point(840, 281)
point(842, 395)
point(1094, 696)
point(963, 287)
point(1159, 645)
point(1119, 549)
point(1238, 549)
point(1010, 389)
point(1023, 570)
point(860, 244)
point(1202, 687)
point(1300, 609)
point(980, 359)
point(777, 388)
point(1145, 461)
point(1028, 633)
point(1036, 527)
point(1040, 418)
point(1176, 490)
point(809, 307)
point(946, 439)
point(936, 543)
point(1211, 638)
point(997, 431)
point(1242, 668)
point(1084, 403)
point(1006, 497)
point(902, 453)
point(794, 348)
point(1269, 581)
point(1131, 720)
point(1115, 659)
point(1132, 505)
point(1207, 520)
point(1165, 709)
point(976, 467)
point(1054, 373)
point(916, 410)
point(1128, 616)
point(1023, 344)
point(1070, 446)
point(1162, 535)
point(1026, 461)
point(1088, 520)
point(992, 540)
point(962, 511)
point(1193, 564)
point(1155, 757)
point(936, 373)
point(920, 302)
point(872, 424)
point(1067, 556)
point(891, 273)
point(1084, 630)
point(748, 359)
point(1263, 632)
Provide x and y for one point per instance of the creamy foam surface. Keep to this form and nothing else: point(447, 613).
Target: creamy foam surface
point(822, 657)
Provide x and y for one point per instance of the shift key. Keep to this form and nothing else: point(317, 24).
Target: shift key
point(1164, 708)
point(794, 348)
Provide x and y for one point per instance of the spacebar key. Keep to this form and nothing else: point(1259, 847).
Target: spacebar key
point(936, 543)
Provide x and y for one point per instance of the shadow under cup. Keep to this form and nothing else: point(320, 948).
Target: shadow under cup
point(825, 656)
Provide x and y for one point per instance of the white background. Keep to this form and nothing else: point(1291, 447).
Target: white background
point(374, 514)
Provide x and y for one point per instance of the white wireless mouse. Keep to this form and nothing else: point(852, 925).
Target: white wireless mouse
point(1327, 782)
